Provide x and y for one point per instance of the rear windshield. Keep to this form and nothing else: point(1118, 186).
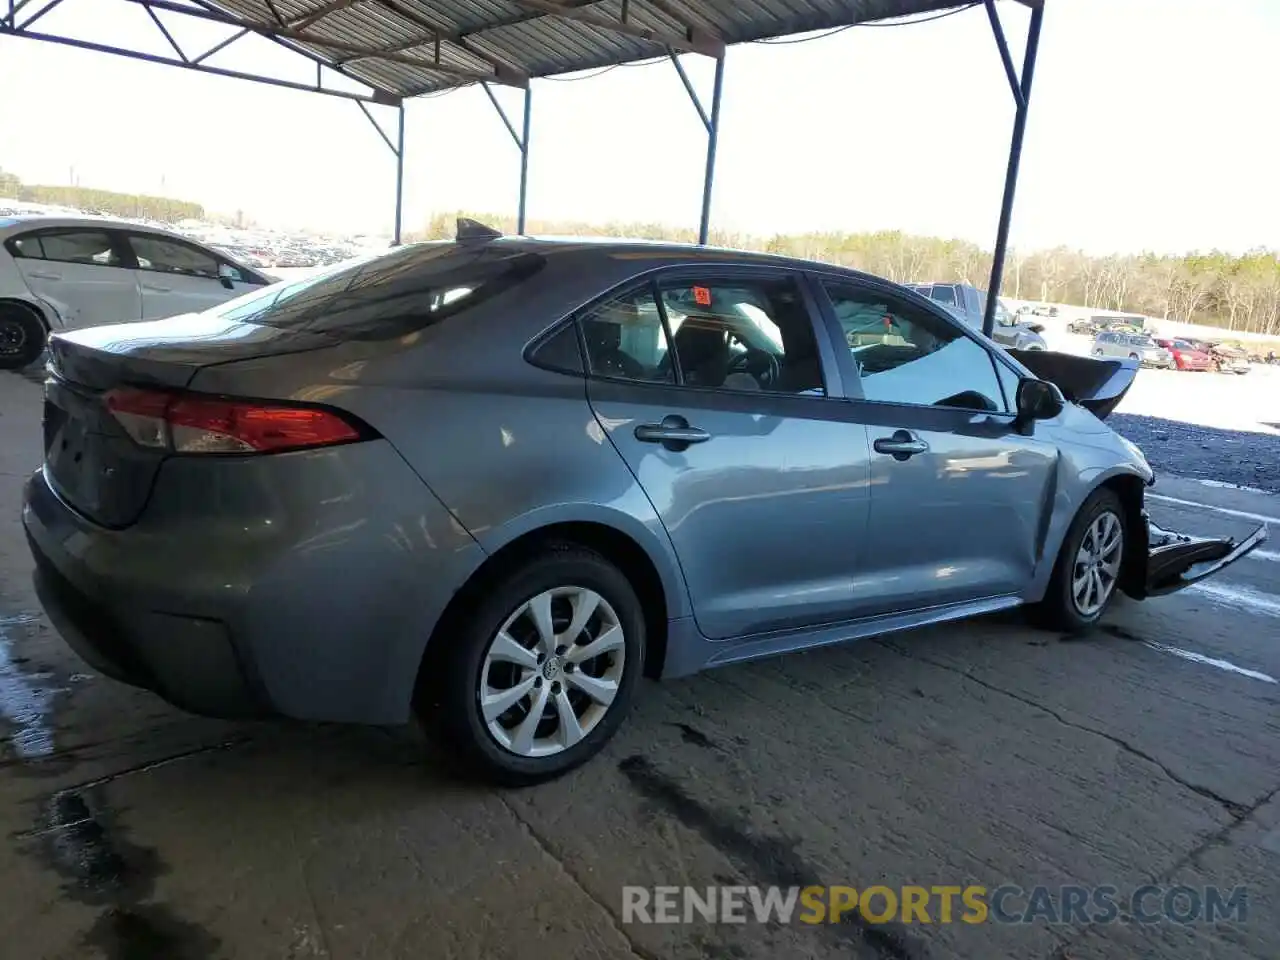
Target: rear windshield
point(387, 295)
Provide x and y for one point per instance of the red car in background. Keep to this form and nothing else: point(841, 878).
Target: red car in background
point(1186, 356)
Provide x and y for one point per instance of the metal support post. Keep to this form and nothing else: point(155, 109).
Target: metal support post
point(713, 139)
point(397, 149)
point(712, 123)
point(1022, 97)
point(399, 177)
point(524, 159)
point(521, 139)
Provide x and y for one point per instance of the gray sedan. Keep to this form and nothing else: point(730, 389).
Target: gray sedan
point(1134, 346)
point(495, 481)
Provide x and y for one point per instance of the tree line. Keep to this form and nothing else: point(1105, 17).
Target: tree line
point(136, 206)
point(1235, 292)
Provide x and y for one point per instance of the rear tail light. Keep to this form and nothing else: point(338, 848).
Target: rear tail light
point(191, 423)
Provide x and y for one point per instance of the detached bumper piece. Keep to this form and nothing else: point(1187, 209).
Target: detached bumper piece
point(1176, 560)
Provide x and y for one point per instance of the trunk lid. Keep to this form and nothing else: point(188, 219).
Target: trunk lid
point(1097, 385)
point(92, 463)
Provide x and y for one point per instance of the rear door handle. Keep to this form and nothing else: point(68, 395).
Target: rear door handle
point(41, 275)
point(673, 432)
point(151, 289)
point(901, 446)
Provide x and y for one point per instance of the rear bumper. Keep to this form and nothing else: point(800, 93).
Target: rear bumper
point(301, 585)
point(189, 661)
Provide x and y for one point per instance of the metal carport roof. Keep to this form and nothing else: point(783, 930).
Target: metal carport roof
point(401, 49)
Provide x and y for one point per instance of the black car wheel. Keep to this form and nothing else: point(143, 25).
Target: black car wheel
point(539, 673)
point(22, 336)
point(1088, 569)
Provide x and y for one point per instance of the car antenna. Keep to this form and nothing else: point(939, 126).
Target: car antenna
point(475, 231)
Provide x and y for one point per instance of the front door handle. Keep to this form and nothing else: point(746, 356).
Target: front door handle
point(673, 432)
point(41, 275)
point(150, 289)
point(901, 446)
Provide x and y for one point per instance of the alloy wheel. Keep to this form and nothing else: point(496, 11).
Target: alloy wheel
point(552, 671)
point(1097, 564)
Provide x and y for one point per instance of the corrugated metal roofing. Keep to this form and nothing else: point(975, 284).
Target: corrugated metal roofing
point(404, 48)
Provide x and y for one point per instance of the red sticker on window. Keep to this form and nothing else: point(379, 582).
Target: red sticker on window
point(702, 296)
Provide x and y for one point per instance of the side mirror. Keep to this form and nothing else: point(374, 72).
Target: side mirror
point(1038, 400)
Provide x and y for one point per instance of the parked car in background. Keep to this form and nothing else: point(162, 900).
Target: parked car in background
point(493, 482)
point(1135, 346)
point(60, 273)
point(1186, 355)
point(1230, 359)
point(969, 304)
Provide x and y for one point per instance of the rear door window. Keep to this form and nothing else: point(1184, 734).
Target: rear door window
point(91, 247)
point(388, 295)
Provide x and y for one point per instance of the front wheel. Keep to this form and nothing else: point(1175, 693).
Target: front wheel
point(1088, 568)
point(22, 336)
point(541, 671)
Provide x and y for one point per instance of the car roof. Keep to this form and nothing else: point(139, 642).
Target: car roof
point(27, 221)
point(669, 253)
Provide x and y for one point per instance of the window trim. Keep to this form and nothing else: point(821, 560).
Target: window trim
point(892, 293)
point(11, 245)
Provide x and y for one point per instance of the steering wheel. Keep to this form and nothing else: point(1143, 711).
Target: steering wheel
point(760, 364)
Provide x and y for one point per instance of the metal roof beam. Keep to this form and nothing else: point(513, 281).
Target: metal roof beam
point(333, 6)
point(378, 96)
point(694, 41)
point(300, 36)
point(504, 73)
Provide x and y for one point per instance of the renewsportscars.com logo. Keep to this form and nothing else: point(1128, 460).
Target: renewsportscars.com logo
point(934, 905)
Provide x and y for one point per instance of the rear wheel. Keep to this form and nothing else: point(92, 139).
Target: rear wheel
point(1088, 568)
point(542, 670)
point(22, 336)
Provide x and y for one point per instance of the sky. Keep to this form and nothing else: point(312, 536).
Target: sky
point(1150, 129)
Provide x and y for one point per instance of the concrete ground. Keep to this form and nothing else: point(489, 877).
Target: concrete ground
point(986, 753)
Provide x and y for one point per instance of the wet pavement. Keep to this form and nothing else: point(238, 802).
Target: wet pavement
point(984, 753)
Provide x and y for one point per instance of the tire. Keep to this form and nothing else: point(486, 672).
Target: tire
point(22, 336)
point(1097, 353)
point(501, 747)
point(1134, 356)
point(1061, 608)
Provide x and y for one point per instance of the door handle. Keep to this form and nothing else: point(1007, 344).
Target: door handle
point(151, 289)
point(901, 446)
point(41, 275)
point(673, 432)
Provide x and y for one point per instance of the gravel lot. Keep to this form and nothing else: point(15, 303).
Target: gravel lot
point(987, 752)
point(1211, 426)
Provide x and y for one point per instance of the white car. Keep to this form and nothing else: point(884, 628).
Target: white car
point(59, 273)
